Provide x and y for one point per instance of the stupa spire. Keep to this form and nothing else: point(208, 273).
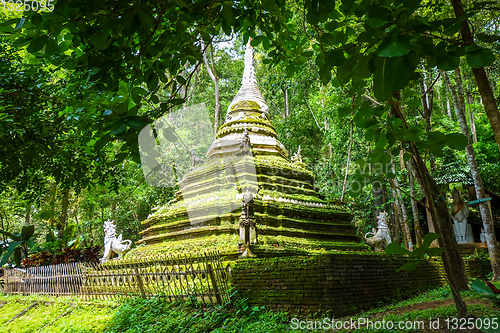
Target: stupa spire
point(249, 77)
point(249, 90)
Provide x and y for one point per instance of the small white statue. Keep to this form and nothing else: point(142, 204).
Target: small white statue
point(297, 157)
point(482, 236)
point(381, 238)
point(459, 212)
point(113, 244)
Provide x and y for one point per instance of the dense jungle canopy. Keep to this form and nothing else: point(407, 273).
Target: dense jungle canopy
point(361, 86)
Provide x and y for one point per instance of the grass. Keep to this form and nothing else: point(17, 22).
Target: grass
point(156, 315)
point(55, 314)
point(423, 308)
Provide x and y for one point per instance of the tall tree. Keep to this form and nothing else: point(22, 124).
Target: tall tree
point(215, 79)
point(419, 235)
point(478, 58)
point(489, 230)
point(402, 212)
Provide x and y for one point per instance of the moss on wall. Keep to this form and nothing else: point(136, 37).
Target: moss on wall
point(342, 283)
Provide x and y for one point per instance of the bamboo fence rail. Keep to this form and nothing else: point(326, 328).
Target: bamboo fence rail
point(175, 277)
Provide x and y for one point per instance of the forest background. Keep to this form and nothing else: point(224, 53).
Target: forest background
point(78, 83)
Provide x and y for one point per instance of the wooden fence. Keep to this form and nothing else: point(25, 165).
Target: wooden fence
point(180, 277)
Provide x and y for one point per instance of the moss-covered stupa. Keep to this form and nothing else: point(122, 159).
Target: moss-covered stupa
point(248, 194)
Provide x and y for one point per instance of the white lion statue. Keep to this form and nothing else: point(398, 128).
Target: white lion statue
point(381, 237)
point(113, 244)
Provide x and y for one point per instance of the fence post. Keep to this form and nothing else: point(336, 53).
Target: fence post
point(139, 282)
point(214, 283)
point(6, 280)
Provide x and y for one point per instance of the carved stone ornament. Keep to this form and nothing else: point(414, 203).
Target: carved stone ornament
point(459, 212)
point(248, 234)
point(195, 160)
point(246, 145)
point(113, 244)
point(297, 157)
point(381, 238)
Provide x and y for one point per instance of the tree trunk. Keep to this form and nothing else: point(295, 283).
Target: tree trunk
point(402, 213)
point(312, 112)
point(470, 101)
point(64, 212)
point(489, 230)
point(483, 84)
point(344, 186)
point(215, 79)
point(396, 227)
point(379, 201)
point(438, 208)
point(451, 90)
point(427, 101)
point(419, 235)
point(52, 220)
point(113, 210)
point(27, 219)
point(448, 107)
point(285, 98)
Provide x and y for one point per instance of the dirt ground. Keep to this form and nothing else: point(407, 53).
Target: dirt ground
point(440, 303)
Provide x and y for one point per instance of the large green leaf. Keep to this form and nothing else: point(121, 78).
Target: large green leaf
point(335, 57)
point(414, 103)
point(12, 247)
point(146, 19)
point(480, 287)
point(456, 141)
point(52, 47)
point(17, 256)
point(395, 248)
point(325, 74)
point(394, 46)
point(136, 123)
point(409, 266)
point(447, 62)
point(169, 134)
point(99, 41)
point(435, 251)
point(480, 58)
point(37, 43)
point(227, 13)
point(344, 111)
point(426, 244)
point(487, 38)
point(119, 127)
point(312, 11)
point(27, 232)
point(390, 74)
point(436, 141)
point(13, 236)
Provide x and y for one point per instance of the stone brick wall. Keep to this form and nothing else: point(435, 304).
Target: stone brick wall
point(478, 267)
point(341, 283)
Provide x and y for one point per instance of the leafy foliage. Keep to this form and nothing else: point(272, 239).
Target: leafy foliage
point(421, 253)
point(156, 314)
point(64, 256)
point(20, 245)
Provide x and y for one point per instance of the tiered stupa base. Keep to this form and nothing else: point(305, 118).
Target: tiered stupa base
point(290, 216)
point(288, 213)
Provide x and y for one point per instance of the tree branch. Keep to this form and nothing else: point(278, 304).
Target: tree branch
point(317, 124)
